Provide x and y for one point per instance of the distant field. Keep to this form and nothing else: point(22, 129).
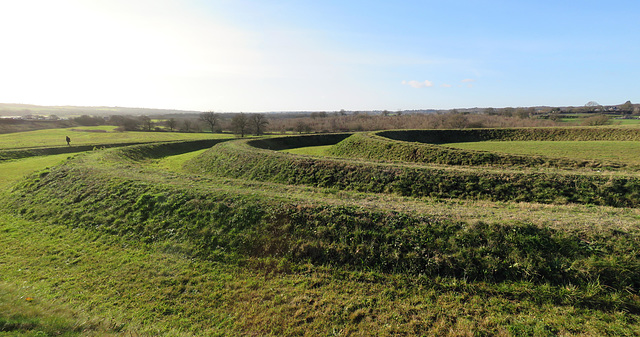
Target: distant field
point(578, 120)
point(310, 150)
point(619, 151)
point(92, 135)
point(626, 121)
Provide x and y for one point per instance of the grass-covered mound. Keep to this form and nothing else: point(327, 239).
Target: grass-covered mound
point(238, 159)
point(380, 146)
point(193, 255)
point(215, 223)
point(85, 283)
point(513, 134)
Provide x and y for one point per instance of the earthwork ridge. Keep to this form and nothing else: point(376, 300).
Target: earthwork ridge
point(385, 162)
point(241, 200)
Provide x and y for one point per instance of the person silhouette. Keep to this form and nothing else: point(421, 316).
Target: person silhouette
point(68, 141)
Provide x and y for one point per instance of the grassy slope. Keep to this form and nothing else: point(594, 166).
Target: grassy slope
point(622, 151)
point(627, 152)
point(617, 151)
point(424, 147)
point(240, 160)
point(86, 284)
point(268, 297)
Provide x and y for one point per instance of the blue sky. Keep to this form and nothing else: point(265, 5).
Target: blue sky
point(245, 55)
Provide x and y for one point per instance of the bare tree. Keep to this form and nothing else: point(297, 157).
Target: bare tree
point(146, 122)
point(302, 127)
point(456, 121)
point(627, 107)
point(258, 123)
point(171, 123)
point(125, 123)
point(211, 119)
point(187, 125)
point(490, 111)
point(240, 124)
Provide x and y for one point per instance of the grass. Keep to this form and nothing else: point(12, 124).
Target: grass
point(424, 147)
point(618, 151)
point(14, 170)
point(507, 183)
point(93, 136)
point(86, 278)
point(21, 314)
point(83, 284)
point(318, 151)
point(632, 122)
point(174, 163)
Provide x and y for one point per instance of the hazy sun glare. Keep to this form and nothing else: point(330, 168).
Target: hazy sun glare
point(73, 51)
point(251, 55)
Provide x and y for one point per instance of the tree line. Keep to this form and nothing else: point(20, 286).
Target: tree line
point(243, 124)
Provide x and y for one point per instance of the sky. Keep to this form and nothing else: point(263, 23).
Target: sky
point(286, 55)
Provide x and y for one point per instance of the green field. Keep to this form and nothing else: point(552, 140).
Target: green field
point(619, 151)
point(15, 170)
point(310, 150)
point(92, 136)
point(238, 239)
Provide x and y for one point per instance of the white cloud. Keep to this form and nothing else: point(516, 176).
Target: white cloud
point(446, 85)
point(417, 84)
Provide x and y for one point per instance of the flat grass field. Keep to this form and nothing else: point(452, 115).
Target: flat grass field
point(14, 170)
point(618, 151)
point(318, 151)
point(93, 136)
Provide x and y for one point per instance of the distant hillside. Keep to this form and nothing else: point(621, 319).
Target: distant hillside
point(7, 109)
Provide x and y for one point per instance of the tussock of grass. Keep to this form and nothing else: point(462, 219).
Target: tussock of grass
point(23, 312)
